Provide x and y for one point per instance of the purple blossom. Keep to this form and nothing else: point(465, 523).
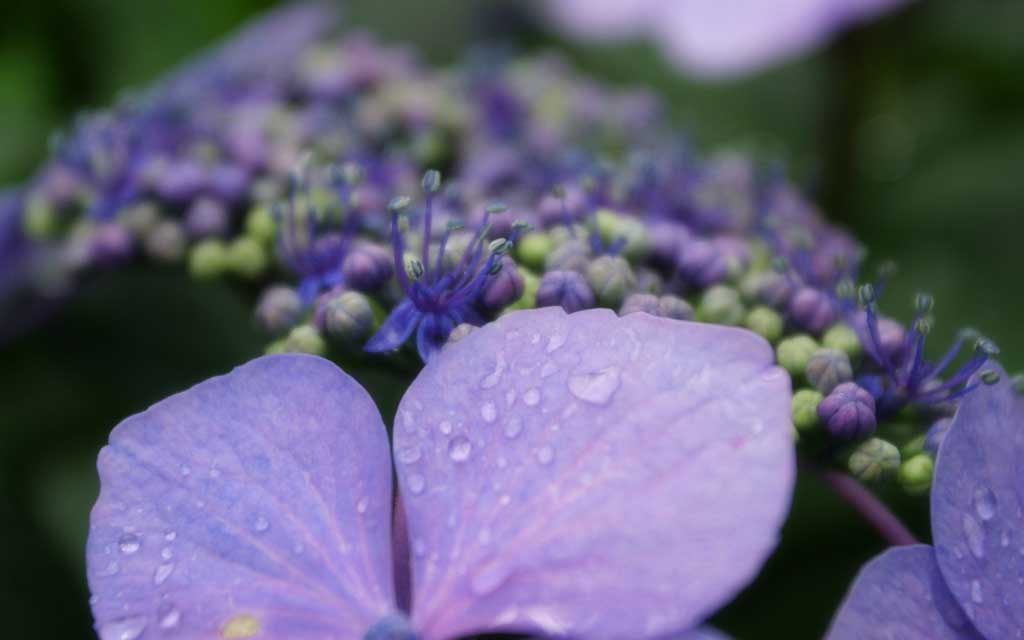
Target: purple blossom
point(556, 476)
point(848, 411)
point(719, 38)
point(966, 586)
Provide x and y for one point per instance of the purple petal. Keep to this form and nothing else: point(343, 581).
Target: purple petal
point(901, 594)
point(261, 498)
point(395, 329)
point(603, 19)
point(591, 476)
point(977, 499)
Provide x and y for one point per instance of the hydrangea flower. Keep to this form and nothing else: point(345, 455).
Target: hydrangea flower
point(719, 38)
point(578, 475)
point(968, 585)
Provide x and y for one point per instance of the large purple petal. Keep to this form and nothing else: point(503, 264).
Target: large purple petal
point(977, 502)
point(901, 594)
point(591, 476)
point(257, 499)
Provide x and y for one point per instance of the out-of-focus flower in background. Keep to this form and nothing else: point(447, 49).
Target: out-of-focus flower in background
point(718, 37)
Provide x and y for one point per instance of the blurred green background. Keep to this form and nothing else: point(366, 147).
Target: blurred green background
point(909, 131)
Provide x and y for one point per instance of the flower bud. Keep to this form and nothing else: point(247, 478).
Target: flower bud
point(936, 434)
point(206, 217)
point(768, 287)
point(166, 242)
point(843, 338)
point(611, 278)
point(795, 352)
point(208, 259)
point(278, 309)
point(874, 459)
point(260, 225)
point(915, 475)
point(827, 368)
point(566, 289)
point(304, 339)
point(533, 248)
point(617, 228)
point(40, 219)
point(180, 181)
point(347, 317)
point(571, 255)
point(503, 287)
point(639, 303)
point(765, 322)
point(246, 258)
point(721, 305)
point(228, 182)
point(674, 307)
point(140, 217)
point(848, 411)
point(110, 243)
point(367, 267)
point(811, 309)
point(804, 407)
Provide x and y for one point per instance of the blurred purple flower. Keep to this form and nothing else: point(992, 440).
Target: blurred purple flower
point(968, 585)
point(719, 37)
point(557, 475)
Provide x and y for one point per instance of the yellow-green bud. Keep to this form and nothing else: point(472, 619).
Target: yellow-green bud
point(614, 227)
point(721, 305)
point(915, 474)
point(533, 248)
point(529, 298)
point(305, 339)
point(40, 219)
point(259, 224)
point(246, 257)
point(843, 338)
point(873, 459)
point(805, 408)
point(208, 259)
point(766, 322)
point(794, 352)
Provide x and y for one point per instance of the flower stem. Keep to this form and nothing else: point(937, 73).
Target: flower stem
point(868, 506)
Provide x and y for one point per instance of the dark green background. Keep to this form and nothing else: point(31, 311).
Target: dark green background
point(909, 131)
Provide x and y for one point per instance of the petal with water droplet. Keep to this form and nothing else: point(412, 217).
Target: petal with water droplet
point(298, 446)
point(977, 494)
point(901, 594)
point(632, 500)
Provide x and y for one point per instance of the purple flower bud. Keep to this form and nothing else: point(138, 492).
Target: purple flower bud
point(180, 181)
point(346, 316)
point(848, 411)
point(367, 267)
point(674, 307)
point(206, 217)
point(640, 302)
point(566, 289)
point(504, 287)
point(772, 288)
point(812, 309)
point(827, 369)
point(278, 309)
point(571, 255)
point(667, 240)
point(166, 242)
point(700, 262)
point(228, 182)
point(110, 243)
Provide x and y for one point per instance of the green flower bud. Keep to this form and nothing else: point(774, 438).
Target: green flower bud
point(533, 248)
point(40, 219)
point(915, 474)
point(259, 224)
point(208, 259)
point(349, 317)
point(614, 227)
point(805, 408)
point(246, 258)
point(305, 339)
point(529, 298)
point(795, 352)
point(140, 218)
point(827, 369)
point(913, 446)
point(721, 305)
point(766, 322)
point(611, 278)
point(843, 338)
point(166, 242)
point(874, 459)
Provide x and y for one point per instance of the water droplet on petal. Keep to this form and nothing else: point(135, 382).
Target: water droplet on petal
point(549, 369)
point(445, 427)
point(260, 524)
point(597, 387)
point(975, 536)
point(488, 412)
point(459, 449)
point(409, 454)
point(166, 553)
point(489, 578)
point(555, 342)
point(163, 572)
point(531, 397)
point(123, 629)
point(363, 504)
point(976, 594)
point(417, 483)
point(984, 503)
point(513, 427)
point(129, 544)
point(494, 377)
point(111, 569)
point(1004, 539)
point(169, 618)
point(545, 454)
point(170, 536)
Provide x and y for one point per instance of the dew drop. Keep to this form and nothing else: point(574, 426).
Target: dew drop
point(170, 618)
point(549, 369)
point(531, 397)
point(545, 454)
point(596, 387)
point(129, 544)
point(1004, 539)
point(555, 342)
point(166, 553)
point(984, 503)
point(260, 524)
point(123, 629)
point(489, 578)
point(409, 454)
point(975, 536)
point(163, 572)
point(170, 536)
point(407, 421)
point(513, 427)
point(417, 483)
point(363, 504)
point(488, 412)
point(459, 449)
point(510, 397)
point(492, 378)
point(976, 594)
point(445, 427)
